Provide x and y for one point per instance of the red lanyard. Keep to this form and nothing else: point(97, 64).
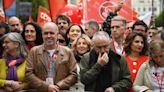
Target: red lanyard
point(159, 80)
point(115, 47)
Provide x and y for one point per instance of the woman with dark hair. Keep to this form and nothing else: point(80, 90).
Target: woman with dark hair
point(73, 32)
point(150, 77)
point(12, 64)
point(32, 34)
point(135, 47)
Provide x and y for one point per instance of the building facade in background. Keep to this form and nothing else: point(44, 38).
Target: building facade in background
point(145, 6)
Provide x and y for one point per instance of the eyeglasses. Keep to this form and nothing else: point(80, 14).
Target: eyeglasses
point(14, 25)
point(61, 40)
point(46, 33)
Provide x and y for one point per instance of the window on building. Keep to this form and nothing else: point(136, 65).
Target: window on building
point(144, 9)
point(149, 8)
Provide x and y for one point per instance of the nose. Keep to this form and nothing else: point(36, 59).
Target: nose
point(102, 50)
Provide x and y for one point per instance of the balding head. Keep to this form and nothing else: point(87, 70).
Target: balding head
point(15, 24)
point(50, 25)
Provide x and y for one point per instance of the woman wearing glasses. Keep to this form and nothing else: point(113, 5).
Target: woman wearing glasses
point(12, 64)
point(32, 34)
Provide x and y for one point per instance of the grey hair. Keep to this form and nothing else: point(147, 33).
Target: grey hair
point(93, 24)
point(100, 34)
point(16, 37)
point(120, 18)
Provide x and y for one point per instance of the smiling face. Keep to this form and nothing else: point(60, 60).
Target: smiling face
point(137, 44)
point(82, 46)
point(10, 47)
point(74, 32)
point(30, 33)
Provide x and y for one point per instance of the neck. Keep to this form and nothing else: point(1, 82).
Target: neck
point(134, 55)
point(31, 43)
point(13, 53)
point(119, 40)
point(51, 47)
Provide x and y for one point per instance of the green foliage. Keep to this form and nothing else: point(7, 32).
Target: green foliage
point(159, 21)
point(35, 6)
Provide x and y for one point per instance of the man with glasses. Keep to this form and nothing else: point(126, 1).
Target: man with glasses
point(51, 67)
point(102, 70)
point(15, 24)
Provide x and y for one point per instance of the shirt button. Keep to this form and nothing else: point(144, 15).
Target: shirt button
point(134, 63)
point(134, 71)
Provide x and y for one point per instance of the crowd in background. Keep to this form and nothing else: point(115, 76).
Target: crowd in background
point(62, 56)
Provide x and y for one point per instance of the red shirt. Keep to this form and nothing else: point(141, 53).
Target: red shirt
point(134, 65)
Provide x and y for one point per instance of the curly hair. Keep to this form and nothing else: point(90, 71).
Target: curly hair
point(39, 39)
point(129, 40)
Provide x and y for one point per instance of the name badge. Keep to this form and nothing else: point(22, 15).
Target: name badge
point(49, 80)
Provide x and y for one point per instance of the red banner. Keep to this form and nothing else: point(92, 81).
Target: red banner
point(43, 16)
point(74, 12)
point(99, 9)
point(55, 6)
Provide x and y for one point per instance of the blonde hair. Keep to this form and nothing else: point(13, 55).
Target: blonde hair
point(86, 38)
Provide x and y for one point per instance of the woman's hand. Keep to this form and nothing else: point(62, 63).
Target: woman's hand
point(16, 86)
point(8, 89)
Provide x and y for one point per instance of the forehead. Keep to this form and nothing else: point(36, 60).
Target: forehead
point(139, 27)
point(75, 27)
point(29, 26)
point(61, 20)
point(116, 22)
point(138, 38)
point(101, 41)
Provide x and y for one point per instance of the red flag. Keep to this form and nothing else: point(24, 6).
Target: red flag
point(73, 12)
point(30, 19)
point(43, 16)
point(99, 9)
point(7, 3)
point(2, 14)
point(55, 6)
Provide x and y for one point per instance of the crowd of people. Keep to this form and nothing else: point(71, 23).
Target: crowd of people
point(64, 57)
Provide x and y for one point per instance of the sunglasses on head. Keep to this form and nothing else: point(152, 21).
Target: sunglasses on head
point(61, 40)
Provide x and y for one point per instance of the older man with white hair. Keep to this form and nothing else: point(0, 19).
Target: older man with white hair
point(102, 70)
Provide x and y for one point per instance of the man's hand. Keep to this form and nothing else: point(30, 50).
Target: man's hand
point(103, 59)
point(118, 7)
point(110, 89)
point(16, 86)
point(53, 88)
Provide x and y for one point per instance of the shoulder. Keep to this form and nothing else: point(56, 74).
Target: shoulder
point(2, 62)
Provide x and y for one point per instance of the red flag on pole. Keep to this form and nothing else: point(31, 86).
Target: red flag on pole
point(7, 3)
point(2, 14)
point(43, 16)
point(55, 6)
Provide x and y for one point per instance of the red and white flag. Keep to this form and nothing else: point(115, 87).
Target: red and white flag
point(2, 13)
point(43, 16)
